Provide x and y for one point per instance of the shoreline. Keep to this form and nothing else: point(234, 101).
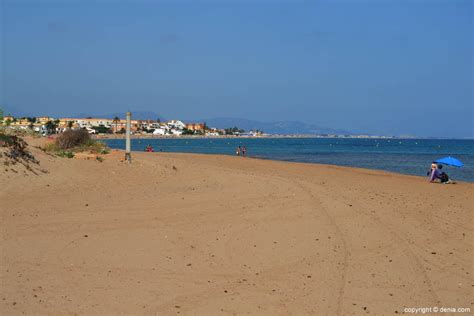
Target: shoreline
point(360, 170)
point(274, 136)
point(231, 153)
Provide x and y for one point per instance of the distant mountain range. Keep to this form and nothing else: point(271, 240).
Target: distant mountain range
point(138, 115)
point(280, 127)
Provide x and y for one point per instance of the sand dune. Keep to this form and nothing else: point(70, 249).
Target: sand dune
point(205, 235)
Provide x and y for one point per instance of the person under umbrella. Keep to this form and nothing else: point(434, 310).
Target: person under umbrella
point(438, 174)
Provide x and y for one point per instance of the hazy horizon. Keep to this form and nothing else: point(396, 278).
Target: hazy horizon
point(388, 68)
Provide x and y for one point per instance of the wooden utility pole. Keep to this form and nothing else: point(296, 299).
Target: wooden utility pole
point(128, 152)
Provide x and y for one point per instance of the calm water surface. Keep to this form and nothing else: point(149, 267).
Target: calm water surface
point(411, 156)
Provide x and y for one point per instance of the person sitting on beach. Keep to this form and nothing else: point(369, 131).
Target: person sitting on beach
point(433, 167)
point(149, 149)
point(440, 175)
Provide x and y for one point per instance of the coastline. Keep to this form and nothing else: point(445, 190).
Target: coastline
point(276, 136)
point(148, 136)
point(211, 234)
point(399, 156)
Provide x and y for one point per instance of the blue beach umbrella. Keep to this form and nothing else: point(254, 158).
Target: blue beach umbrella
point(450, 161)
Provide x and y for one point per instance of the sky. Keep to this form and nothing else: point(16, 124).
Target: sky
point(382, 67)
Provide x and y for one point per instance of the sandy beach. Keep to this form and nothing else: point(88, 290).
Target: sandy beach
point(217, 235)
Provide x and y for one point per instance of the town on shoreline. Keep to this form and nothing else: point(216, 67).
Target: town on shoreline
point(104, 127)
point(115, 128)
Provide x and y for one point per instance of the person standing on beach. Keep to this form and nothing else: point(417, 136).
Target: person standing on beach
point(244, 151)
point(237, 152)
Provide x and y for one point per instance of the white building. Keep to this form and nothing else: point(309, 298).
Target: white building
point(159, 131)
point(176, 124)
point(94, 122)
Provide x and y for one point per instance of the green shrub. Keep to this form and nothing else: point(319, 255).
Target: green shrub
point(65, 154)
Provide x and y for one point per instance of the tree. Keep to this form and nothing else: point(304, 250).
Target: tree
point(233, 131)
point(116, 121)
point(32, 121)
point(51, 126)
point(187, 131)
point(101, 129)
point(70, 124)
point(1, 114)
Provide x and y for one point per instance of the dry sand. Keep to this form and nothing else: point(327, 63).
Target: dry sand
point(205, 235)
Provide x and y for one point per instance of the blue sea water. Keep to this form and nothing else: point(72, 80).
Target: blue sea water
point(407, 156)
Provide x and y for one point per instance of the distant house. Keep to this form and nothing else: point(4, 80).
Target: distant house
point(195, 126)
point(65, 123)
point(176, 124)
point(159, 131)
point(154, 125)
point(147, 124)
point(44, 119)
point(8, 118)
point(177, 132)
point(118, 125)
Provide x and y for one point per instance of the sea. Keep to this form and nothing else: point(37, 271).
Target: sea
point(406, 156)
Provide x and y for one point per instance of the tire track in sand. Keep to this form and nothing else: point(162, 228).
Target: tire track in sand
point(304, 186)
point(415, 262)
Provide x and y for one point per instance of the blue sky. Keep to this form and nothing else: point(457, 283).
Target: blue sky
point(383, 67)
